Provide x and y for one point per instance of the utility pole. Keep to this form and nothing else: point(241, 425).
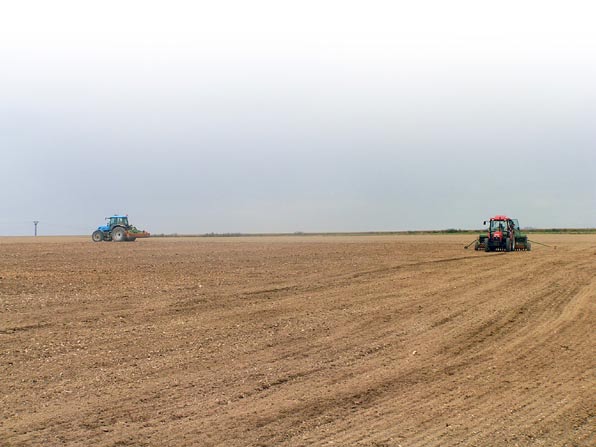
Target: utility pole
point(35, 222)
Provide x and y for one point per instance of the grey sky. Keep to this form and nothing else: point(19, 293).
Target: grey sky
point(272, 116)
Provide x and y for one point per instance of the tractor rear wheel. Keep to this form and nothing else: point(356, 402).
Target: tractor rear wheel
point(118, 234)
point(528, 246)
point(507, 244)
point(97, 236)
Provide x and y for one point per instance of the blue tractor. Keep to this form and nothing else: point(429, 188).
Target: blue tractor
point(117, 229)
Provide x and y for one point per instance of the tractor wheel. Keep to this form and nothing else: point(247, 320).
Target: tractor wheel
point(528, 246)
point(507, 244)
point(477, 246)
point(118, 234)
point(486, 246)
point(97, 236)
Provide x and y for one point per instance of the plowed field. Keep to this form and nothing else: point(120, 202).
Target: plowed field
point(297, 341)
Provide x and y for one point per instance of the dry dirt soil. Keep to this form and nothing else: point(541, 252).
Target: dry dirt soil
point(297, 341)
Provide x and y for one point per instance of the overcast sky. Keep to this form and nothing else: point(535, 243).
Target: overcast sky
point(280, 116)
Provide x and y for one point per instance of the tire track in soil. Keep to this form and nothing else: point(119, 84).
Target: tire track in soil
point(485, 428)
point(425, 440)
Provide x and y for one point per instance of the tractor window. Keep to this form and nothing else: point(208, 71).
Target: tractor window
point(498, 225)
point(119, 221)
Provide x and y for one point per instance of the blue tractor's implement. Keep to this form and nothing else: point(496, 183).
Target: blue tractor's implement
point(117, 229)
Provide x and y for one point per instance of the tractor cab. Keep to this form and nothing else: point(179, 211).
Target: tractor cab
point(115, 221)
point(497, 225)
point(500, 227)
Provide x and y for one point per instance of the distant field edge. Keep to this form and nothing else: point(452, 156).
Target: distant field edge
point(379, 233)
point(331, 233)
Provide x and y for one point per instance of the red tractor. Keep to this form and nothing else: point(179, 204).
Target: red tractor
point(504, 234)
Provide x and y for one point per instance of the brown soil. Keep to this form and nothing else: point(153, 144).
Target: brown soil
point(297, 341)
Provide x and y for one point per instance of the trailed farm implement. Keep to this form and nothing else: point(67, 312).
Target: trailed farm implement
point(503, 234)
point(118, 229)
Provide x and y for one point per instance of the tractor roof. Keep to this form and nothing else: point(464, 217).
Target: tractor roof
point(500, 218)
point(116, 215)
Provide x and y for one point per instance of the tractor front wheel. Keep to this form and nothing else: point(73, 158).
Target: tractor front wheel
point(118, 234)
point(97, 236)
